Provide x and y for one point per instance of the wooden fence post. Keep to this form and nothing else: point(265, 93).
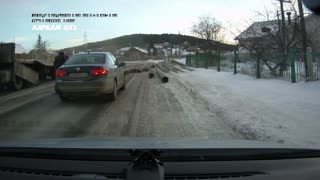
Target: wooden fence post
point(235, 62)
point(258, 64)
point(309, 64)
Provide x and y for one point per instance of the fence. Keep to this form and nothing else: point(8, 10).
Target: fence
point(285, 66)
point(202, 60)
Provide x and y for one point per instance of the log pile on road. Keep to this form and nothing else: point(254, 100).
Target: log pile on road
point(146, 67)
point(152, 73)
point(171, 66)
point(139, 68)
point(162, 67)
point(156, 69)
point(183, 66)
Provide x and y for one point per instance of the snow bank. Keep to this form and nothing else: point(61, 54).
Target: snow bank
point(181, 60)
point(268, 110)
point(143, 61)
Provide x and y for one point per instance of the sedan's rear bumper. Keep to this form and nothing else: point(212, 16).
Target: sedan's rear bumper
point(84, 88)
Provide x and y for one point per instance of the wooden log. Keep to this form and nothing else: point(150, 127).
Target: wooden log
point(162, 76)
point(152, 73)
point(168, 66)
point(162, 68)
point(178, 63)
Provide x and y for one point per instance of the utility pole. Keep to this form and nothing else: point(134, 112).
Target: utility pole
point(304, 38)
point(85, 41)
point(284, 39)
point(287, 34)
point(170, 46)
point(283, 29)
point(179, 44)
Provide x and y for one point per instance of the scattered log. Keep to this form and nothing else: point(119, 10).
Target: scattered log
point(168, 66)
point(144, 67)
point(178, 63)
point(162, 68)
point(139, 68)
point(162, 75)
point(152, 73)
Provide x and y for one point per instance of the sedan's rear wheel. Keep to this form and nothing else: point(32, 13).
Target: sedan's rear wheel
point(17, 83)
point(124, 83)
point(114, 94)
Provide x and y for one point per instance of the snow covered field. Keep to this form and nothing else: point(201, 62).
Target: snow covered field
point(268, 110)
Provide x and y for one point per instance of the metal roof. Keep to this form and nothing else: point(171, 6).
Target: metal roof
point(255, 29)
point(19, 49)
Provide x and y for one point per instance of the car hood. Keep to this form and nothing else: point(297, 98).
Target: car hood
point(143, 143)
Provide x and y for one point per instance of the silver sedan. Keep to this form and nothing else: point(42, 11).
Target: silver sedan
point(90, 74)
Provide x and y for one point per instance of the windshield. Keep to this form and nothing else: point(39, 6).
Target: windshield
point(225, 71)
point(86, 59)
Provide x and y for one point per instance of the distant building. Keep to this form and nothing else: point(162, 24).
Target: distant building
point(166, 44)
point(122, 51)
point(158, 46)
point(312, 22)
point(133, 53)
point(262, 34)
point(258, 34)
point(194, 50)
point(20, 49)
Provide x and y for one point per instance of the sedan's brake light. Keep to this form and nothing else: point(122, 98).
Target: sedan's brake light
point(99, 71)
point(60, 73)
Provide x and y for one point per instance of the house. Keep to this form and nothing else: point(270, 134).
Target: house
point(19, 49)
point(194, 50)
point(258, 34)
point(133, 53)
point(123, 50)
point(158, 46)
point(262, 34)
point(162, 48)
point(312, 22)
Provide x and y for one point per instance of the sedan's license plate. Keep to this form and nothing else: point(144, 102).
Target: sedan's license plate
point(78, 75)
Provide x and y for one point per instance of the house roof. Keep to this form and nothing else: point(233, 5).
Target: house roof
point(255, 29)
point(19, 49)
point(125, 49)
point(158, 46)
point(137, 48)
point(140, 49)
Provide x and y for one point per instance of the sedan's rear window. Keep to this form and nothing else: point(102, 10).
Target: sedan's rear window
point(86, 59)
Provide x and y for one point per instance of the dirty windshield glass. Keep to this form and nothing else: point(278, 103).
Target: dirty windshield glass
point(219, 70)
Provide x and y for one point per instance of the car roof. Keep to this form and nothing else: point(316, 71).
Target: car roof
point(108, 53)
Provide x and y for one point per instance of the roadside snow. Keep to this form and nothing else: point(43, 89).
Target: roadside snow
point(262, 109)
point(143, 61)
point(181, 60)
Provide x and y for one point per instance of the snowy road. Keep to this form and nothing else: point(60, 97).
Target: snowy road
point(193, 104)
point(147, 108)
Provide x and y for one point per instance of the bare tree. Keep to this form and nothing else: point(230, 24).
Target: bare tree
point(209, 29)
point(268, 37)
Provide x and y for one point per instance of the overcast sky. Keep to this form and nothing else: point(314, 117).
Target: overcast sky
point(136, 16)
